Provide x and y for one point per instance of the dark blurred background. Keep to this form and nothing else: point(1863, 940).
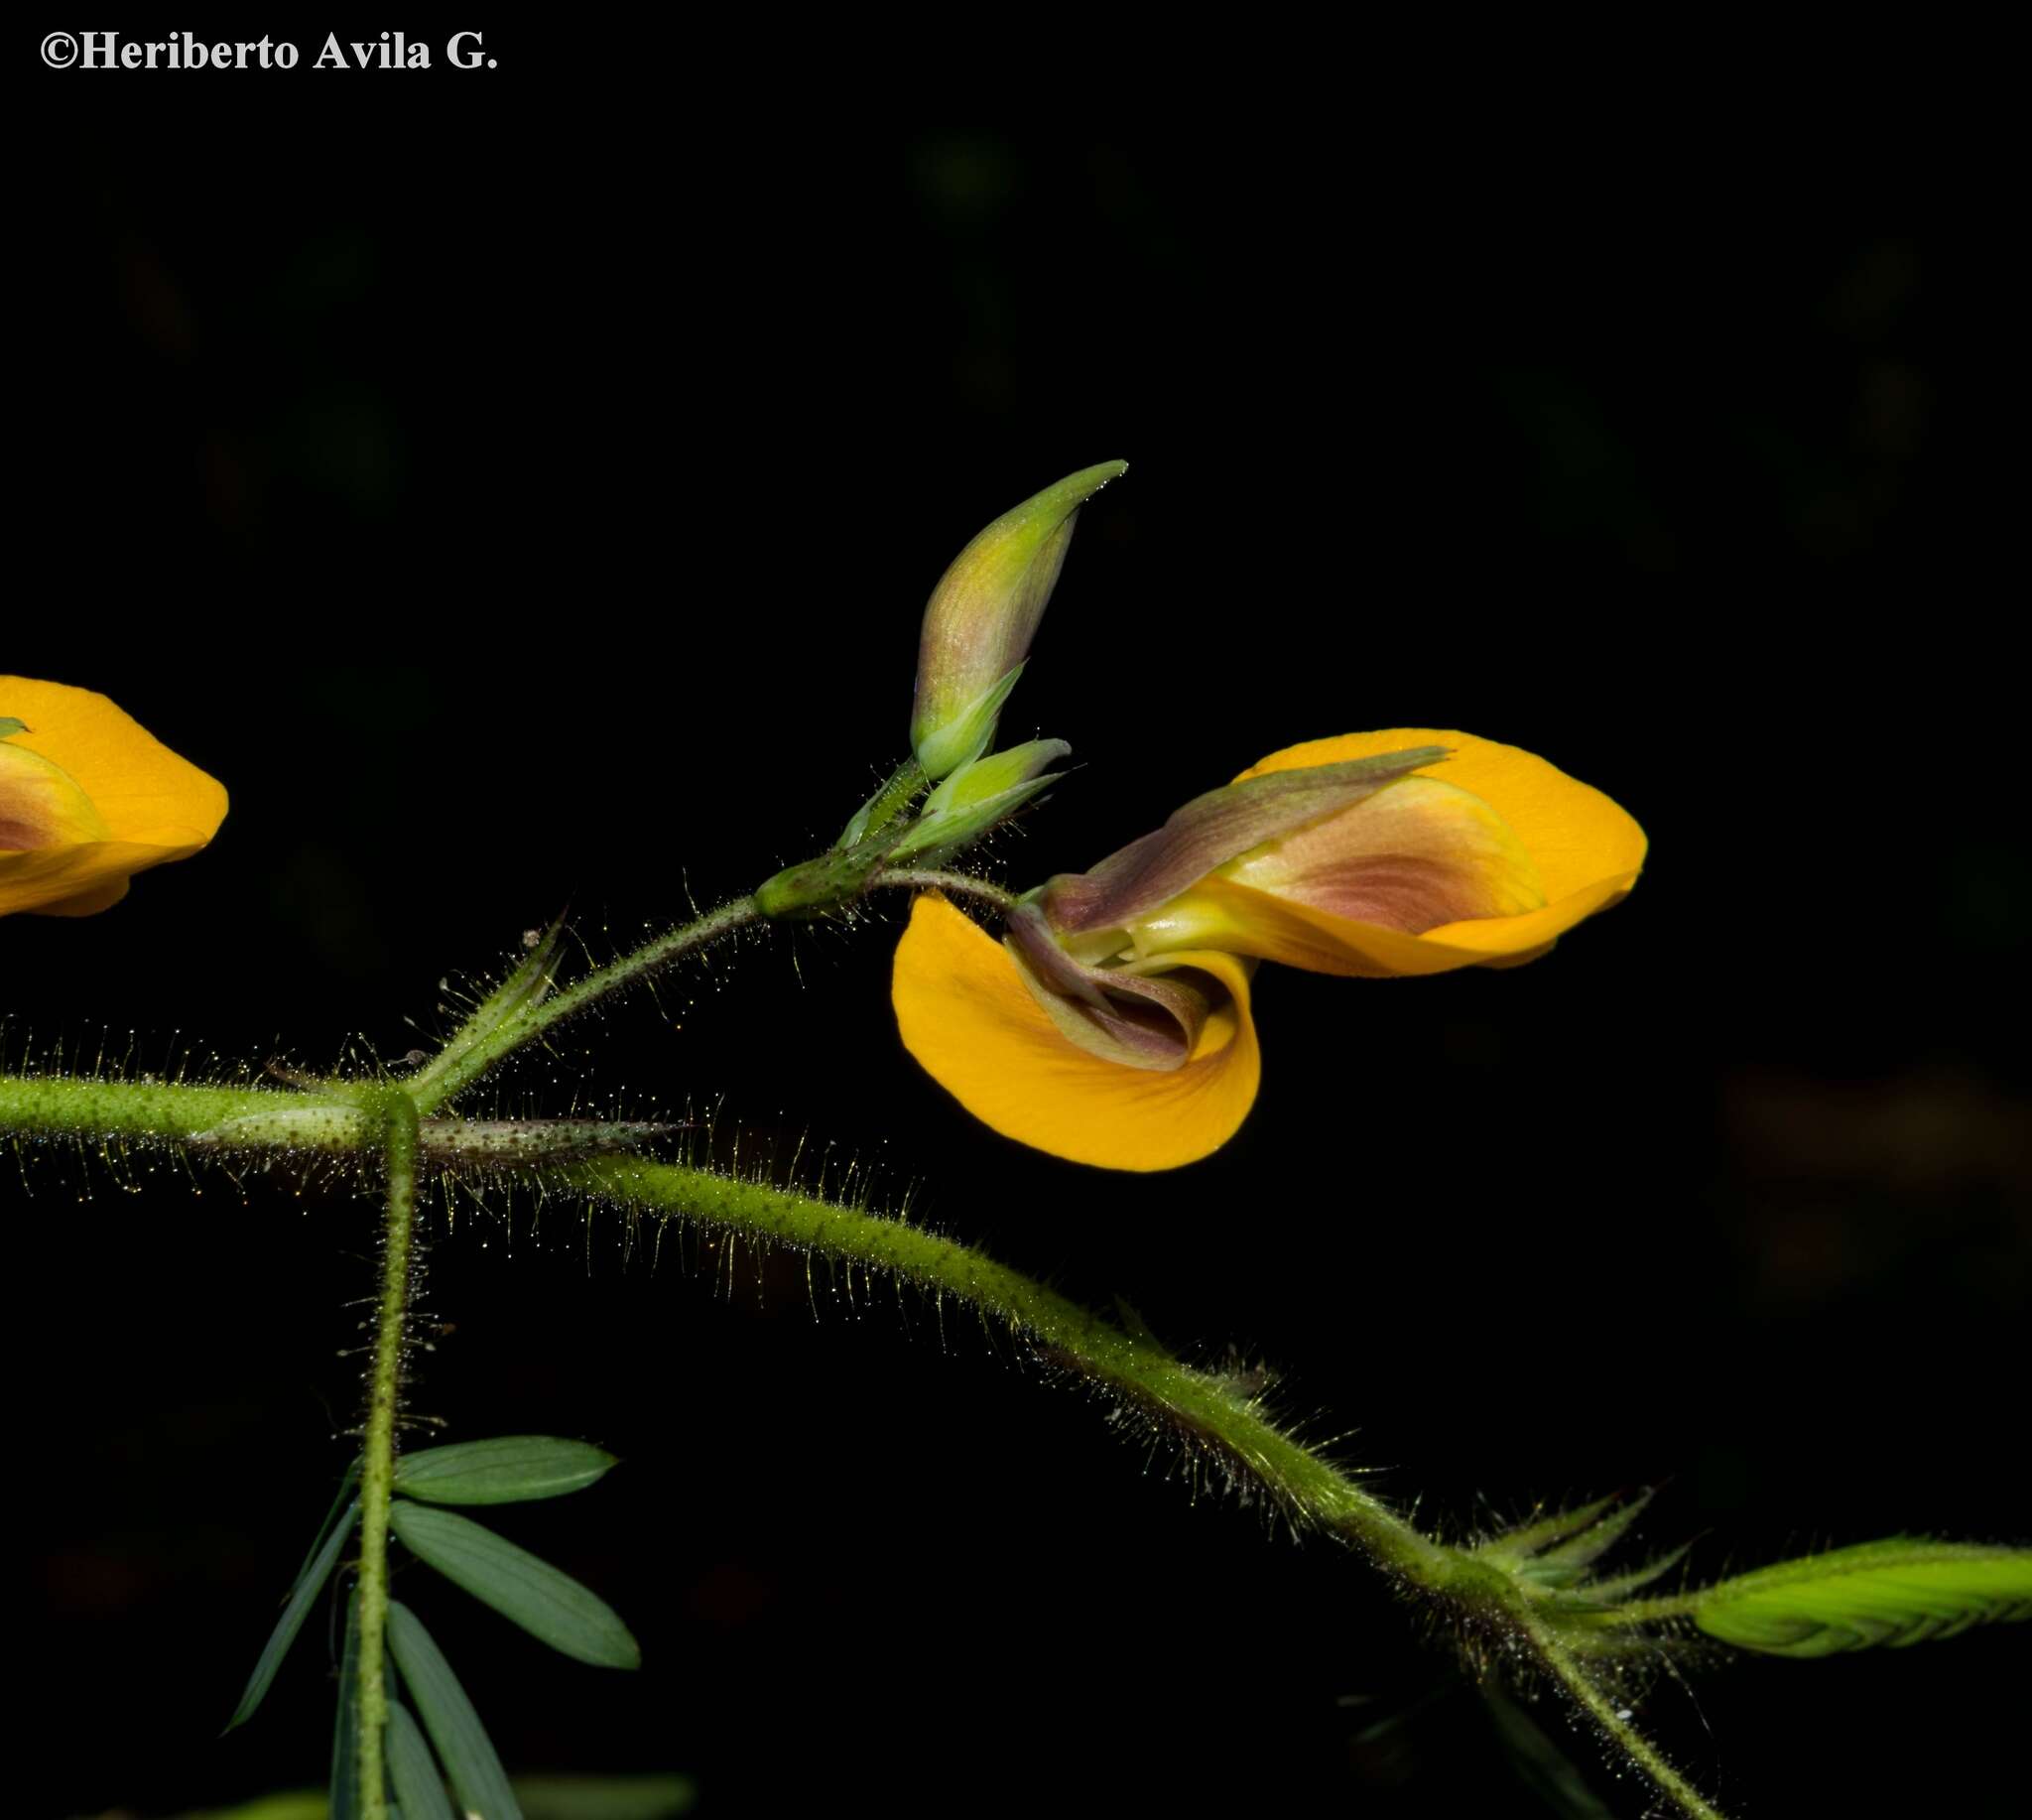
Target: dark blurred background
point(521, 491)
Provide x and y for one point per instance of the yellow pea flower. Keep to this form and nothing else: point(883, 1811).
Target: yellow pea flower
point(87, 798)
point(1112, 1025)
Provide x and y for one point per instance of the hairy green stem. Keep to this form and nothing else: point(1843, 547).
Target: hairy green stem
point(47, 1104)
point(474, 1050)
point(462, 1063)
point(953, 884)
point(400, 1147)
point(1203, 1409)
point(1613, 1718)
point(233, 1121)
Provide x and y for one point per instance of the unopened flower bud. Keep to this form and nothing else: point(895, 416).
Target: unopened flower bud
point(981, 617)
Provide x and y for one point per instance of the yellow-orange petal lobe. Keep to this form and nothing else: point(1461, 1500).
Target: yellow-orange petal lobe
point(126, 801)
point(1585, 850)
point(966, 1014)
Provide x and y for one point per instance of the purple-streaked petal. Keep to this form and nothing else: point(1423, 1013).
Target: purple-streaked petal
point(1213, 829)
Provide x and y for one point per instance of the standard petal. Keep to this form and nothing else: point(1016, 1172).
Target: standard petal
point(966, 1014)
point(1413, 857)
point(1586, 850)
point(1577, 837)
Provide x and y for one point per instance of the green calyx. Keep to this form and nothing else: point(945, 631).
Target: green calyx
point(949, 746)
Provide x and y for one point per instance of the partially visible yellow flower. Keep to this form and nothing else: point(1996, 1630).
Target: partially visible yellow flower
point(1113, 1026)
point(87, 798)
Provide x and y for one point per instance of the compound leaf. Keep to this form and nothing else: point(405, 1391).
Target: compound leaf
point(1891, 1592)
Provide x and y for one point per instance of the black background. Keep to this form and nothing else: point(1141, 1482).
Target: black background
point(520, 489)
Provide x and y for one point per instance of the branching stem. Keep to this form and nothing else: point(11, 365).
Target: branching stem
point(462, 1063)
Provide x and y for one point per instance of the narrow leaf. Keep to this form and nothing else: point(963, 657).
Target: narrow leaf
point(345, 1728)
point(9, 726)
point(548, 1605)
point(1897, 1591)
point(477, 1777)
point(311, 1579)
point(413, 1769)
point(509, 1469)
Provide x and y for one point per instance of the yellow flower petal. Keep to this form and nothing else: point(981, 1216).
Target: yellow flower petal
point(41, 804)
point(1588, 853)
point(966, 1014)
point(150, 805)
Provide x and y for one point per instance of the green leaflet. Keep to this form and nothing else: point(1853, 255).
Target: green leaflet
point(413, 1769)
point(506, 1470)
point(1897, 1591)
point(310, 1583)
point(9, 726)
point(477, 1777)
point(548, 1605)
point(346, 1725)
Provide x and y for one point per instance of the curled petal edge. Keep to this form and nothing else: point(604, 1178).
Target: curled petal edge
point(964, 1012)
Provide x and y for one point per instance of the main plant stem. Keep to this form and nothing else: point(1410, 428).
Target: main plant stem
point(399, 1145)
